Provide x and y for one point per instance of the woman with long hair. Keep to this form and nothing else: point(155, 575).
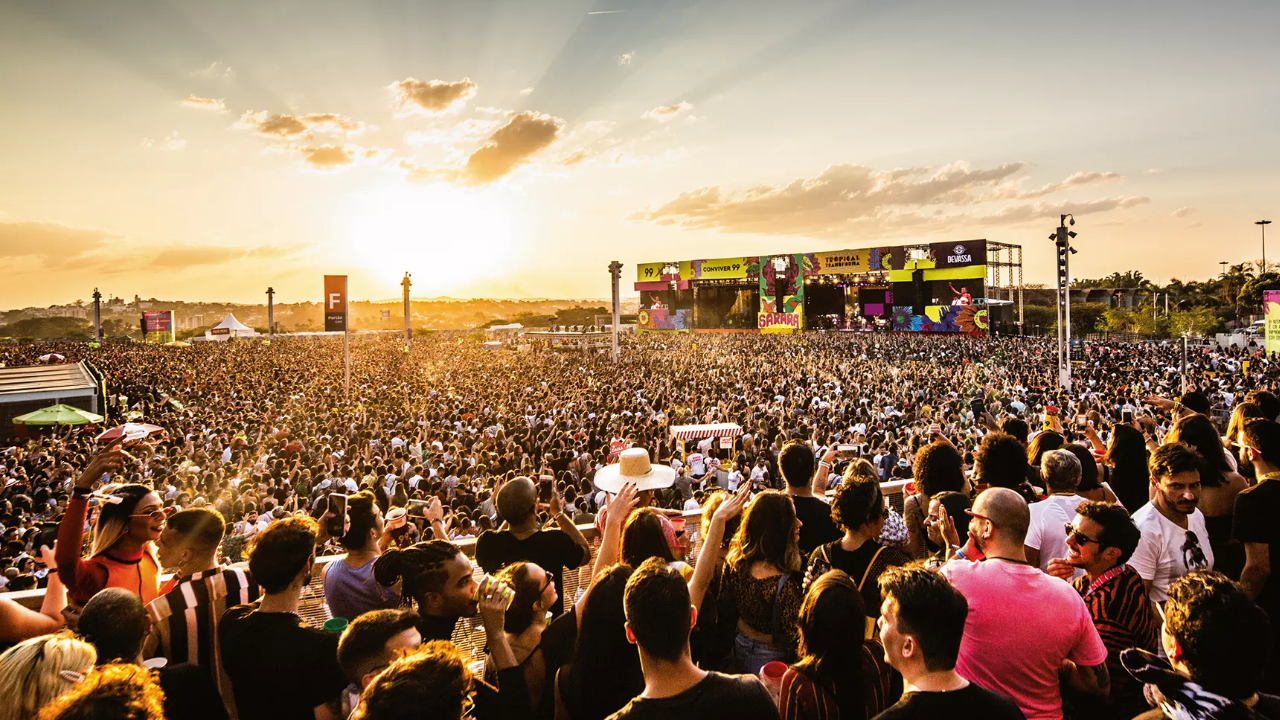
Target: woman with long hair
point(131, 518)
point(526, 619)
point(1219, 485)
point(35, 672)
point(762, 582)
point(605, 673)
point(840, 675)
point(938, 468)
point(1125, 466)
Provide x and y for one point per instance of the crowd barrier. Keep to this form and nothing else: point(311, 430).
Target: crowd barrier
point(469, 634)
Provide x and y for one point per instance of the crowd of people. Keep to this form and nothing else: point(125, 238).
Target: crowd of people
point(1099, 553)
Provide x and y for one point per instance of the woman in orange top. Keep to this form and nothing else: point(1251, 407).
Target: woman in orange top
point(123, 551)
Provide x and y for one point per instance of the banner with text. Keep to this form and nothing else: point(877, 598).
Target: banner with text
point(157, 326)
point(652, 272)
point(781, 293)
point(335, 303)
point(734, 268)
point(959, 254)
point(1271, 306)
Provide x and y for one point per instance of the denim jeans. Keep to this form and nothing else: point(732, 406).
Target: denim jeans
point(750, 655)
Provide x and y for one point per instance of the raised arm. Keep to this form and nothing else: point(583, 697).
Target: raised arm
point(565, 523)
point(709, 558)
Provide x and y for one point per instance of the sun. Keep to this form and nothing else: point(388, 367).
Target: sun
point(447, 237)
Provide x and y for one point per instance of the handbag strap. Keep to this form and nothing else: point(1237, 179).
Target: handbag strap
point(777, 606)
point(870, 565)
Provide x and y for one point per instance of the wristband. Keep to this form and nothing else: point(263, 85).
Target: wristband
point(81, 493)
point(958, 551)
point(824, 464)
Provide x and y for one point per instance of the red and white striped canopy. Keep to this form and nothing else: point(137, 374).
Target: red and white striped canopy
point(693, 432)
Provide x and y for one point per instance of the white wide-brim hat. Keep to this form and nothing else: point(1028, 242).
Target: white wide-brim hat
point(633, 466)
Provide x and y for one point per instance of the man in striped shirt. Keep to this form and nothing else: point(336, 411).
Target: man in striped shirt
point(1100, 540)
point(185, 619)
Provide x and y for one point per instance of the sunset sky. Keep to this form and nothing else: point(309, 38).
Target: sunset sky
point(509, 148)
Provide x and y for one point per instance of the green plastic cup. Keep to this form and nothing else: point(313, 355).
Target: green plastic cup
point(336, 625)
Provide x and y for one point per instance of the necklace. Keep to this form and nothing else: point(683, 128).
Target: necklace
point(1011, 561)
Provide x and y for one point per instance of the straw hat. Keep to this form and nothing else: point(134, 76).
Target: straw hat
point(633, 466)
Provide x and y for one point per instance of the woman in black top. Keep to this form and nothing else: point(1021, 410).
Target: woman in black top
point(605, 672)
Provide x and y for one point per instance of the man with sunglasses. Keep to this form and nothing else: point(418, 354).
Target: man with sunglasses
point(1100, 539)
point(1174, 539)
point(1255, 526)
point(1026, 632)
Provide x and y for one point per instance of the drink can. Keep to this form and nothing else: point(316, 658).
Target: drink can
point(488, 581)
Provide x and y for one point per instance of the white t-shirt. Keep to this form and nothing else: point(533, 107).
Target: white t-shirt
point(1047, 532)
point(696, 464)
point(1163, 554)
point(691, 505)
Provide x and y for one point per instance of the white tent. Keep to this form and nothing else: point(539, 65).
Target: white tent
point(230, 327)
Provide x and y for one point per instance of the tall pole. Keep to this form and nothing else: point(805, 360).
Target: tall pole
point(615, 273)
point(1264, 224)
point(271, 313)
point(1062, 239)
point(97, 316)
point(1184, 364)
point(408, 334)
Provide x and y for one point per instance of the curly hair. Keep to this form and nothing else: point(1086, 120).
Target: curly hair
point(938, 468)
point(857, 501)
point(110, 692)
point(1224, 636)
point(1173, 459)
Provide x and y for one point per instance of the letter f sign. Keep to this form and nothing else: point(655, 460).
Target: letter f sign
point(333, 299)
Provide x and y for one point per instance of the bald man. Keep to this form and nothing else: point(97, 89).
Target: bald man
point(1023, 625)
point(552, 550)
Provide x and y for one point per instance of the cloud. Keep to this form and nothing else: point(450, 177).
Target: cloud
point(334, 158)
point(855, 198)
point(526, 92)
point(436, 97)
point(168, 142)
point(512, 144)
point(203, 103)
point(1152, 171)
point(626, 58)
point(468, 130)
point(665, 113)
point(215, 71)
point(1183, 212)
point(1080, 179)
point(53, 245)
point(287, 126)
point(186, 256)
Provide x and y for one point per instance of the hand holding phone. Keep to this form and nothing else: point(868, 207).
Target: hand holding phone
point(338, 510)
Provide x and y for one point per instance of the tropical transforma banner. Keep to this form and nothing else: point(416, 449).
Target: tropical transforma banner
point(781, 293)
point(847, 262)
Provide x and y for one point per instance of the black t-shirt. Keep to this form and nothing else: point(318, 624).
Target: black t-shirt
point(740, 697)
point(280, 669)
point(552, 550)
point(817, 527)
point(855, 564)
point(970, 703)
point(1255, 522)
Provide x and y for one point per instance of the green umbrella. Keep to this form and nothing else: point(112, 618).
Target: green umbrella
point(58, 415)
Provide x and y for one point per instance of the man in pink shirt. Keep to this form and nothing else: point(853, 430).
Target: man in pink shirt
point(1024, 628)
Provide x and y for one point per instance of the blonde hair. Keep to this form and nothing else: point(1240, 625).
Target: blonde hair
point(35, 672)
point(113, 519)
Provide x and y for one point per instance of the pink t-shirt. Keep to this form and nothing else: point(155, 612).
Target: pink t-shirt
point(1022, 624)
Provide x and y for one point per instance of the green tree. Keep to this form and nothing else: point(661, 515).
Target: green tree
point(1250, 297)
point(1116, 320)
point(1043, 316)
point(54, 327)
point(1085, 317)
point(1196, 321)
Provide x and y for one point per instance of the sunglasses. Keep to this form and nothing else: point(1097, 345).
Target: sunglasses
point(153, 515)
point(551, 578)
point(1079, 537)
